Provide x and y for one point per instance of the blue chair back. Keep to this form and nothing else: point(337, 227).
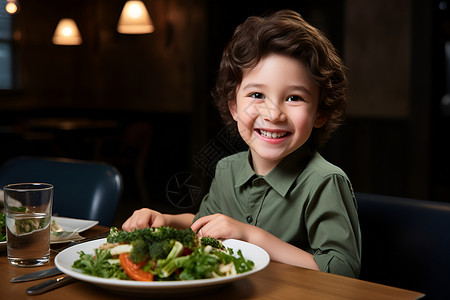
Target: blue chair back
point(82, 189)
point(405, 243)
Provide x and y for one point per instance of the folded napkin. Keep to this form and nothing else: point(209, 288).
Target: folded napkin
point(65, 236)
point(58, 234)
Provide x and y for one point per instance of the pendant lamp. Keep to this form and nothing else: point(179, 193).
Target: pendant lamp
point(67, 33)
point(135, 19)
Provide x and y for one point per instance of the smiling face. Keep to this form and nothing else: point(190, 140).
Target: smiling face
point(275, 109)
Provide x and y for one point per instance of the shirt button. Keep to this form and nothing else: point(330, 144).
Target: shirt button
point(249, 219)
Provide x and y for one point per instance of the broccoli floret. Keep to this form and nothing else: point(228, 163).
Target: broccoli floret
point(116, 236)
point(139, 252)
point(209, 241)
point(160, 249)
point(187, 237)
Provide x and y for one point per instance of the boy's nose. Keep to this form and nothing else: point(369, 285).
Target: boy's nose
point(271, 111)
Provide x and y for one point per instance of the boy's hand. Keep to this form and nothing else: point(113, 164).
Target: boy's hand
point(143, 218)
point(220, 226)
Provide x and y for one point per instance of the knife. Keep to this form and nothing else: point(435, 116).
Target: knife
point(49, 285)
point(37, 275)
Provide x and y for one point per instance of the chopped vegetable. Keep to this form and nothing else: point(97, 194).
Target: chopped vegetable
point(119, 249)
point(160, 249)
point(204, 264)
point(200, 265)
point(139, 251)
point(165, 267)
point(150, 235)
point(161, 254)
point(205, 241)
point(134, 270)
point(99, 266)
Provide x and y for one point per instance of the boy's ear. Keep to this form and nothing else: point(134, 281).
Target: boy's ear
point(321, 119)
point(233, 109)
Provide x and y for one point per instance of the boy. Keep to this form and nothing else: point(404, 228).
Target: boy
point(283, 85)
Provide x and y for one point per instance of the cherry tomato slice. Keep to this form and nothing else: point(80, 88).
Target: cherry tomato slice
point(134, 270)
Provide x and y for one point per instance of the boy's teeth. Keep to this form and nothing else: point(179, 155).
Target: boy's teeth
point(273, 135)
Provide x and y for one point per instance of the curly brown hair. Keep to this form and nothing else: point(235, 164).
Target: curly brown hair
point(287, 33)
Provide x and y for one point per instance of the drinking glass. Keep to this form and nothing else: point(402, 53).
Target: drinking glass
point(28, 211)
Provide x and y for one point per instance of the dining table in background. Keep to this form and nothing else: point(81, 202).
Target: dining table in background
point(276, 281)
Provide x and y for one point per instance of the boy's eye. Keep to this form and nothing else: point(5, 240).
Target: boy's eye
point(257, 95)
point(294, 98)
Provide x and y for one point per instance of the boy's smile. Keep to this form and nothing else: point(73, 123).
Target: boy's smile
point(272, 136)
point(276, 109)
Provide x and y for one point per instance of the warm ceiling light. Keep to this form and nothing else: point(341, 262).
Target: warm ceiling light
point(135, 19)
point(12, 7)
point(67, 33)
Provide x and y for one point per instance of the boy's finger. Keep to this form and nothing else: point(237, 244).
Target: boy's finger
point(197, 225)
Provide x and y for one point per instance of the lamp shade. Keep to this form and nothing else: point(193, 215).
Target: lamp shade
point(67, 33)
point(12, 6)
point(135, 19)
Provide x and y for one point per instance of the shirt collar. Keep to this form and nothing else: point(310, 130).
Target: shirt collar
point(246, 172)
point(283, 175)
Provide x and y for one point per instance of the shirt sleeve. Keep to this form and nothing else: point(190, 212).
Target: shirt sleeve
point(333, 227)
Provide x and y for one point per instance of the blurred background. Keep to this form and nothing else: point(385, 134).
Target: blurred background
point(142, 101)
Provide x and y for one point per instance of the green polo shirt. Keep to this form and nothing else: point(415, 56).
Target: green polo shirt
point(305, 201)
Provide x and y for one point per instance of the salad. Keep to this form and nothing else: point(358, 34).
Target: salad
point(161, 254)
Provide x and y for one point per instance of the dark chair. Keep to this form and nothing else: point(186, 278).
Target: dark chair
point(406, 243)
point(83, 189)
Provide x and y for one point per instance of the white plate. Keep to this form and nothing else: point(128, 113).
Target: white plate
point(65, 259)
point(68, 224)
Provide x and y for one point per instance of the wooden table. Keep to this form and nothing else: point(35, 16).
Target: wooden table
point(277, 281)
